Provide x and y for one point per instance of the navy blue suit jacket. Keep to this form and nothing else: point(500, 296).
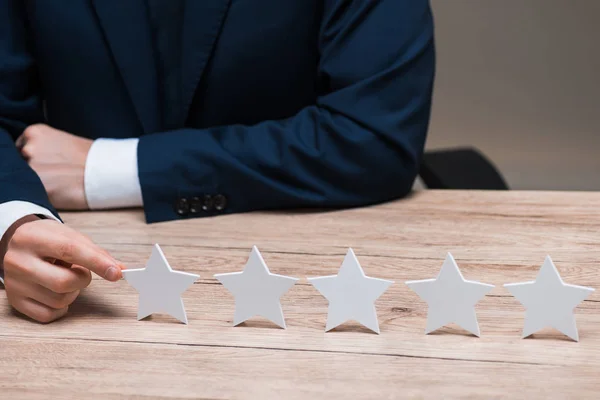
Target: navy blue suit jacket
point(297, 103)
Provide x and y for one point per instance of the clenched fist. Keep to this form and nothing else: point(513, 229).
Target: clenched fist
point(47, 264)
point(59, 160)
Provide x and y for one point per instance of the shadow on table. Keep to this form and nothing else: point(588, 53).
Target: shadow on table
point(90, 305)
point(455, 331)
point(261, 324)
point(303, 211)
point(353, 327)
point(549, 334)
point(85, 305)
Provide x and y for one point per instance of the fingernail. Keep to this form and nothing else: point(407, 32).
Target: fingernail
point(112, 274)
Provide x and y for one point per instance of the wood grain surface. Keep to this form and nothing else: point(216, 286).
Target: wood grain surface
point(100, 350)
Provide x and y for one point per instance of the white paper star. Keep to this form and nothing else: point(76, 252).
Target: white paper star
point(256, 290)
point(549, 302)
point(160, 287)
point(351, 294)
point(450, 298)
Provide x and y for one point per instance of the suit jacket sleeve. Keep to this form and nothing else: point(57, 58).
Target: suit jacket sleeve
point(361, 143)
point(20, 106)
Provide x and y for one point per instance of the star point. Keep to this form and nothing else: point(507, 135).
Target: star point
point(351, 294)
point(549, 302)
point(450, 298)
point(159, 278)
point(257, 291)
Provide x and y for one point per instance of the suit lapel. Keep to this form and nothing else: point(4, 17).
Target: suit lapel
point(128, 33)
point(201, 26)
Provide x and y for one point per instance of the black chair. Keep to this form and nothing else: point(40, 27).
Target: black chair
point(463, 168)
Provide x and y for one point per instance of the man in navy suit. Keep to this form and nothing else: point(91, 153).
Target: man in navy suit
point(193, 108)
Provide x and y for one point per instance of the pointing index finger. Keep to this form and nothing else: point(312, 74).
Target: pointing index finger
point(73, 250)
point(88, 256)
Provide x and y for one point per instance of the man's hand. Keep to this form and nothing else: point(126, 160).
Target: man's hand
point(46, 265)
point(59, 159)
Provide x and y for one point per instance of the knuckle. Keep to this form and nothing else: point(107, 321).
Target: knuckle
point(64, 300)
point(14, 264)
point(19, 238)
point(27, 151)
point(33, 130)
point(61, 284)
point(65, 250)
point(99, 262)
point(55, 302)
point(44, 315)
point(22, 236)
point(11, 260)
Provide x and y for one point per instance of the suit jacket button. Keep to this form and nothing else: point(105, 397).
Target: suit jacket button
point(220, 202)
point(207, 202)
point(195, 205)
point(182, 206)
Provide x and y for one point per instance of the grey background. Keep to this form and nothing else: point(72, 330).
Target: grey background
point(519, 79)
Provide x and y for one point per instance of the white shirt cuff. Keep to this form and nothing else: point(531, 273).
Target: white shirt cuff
point(12, 211)
point(111, 174)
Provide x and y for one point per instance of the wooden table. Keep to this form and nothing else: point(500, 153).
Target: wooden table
point(100, 350)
